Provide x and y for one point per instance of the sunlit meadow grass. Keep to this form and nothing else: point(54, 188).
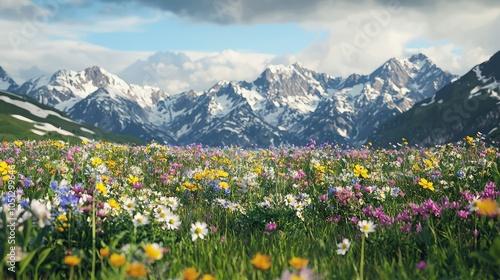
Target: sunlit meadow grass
point(107, 211)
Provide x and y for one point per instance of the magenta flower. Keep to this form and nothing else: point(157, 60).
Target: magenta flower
point(271, 226)
point(462, 214)
point(421, 265)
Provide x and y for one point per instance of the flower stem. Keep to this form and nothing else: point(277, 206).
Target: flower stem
point(362, 264)
point(71, 273)
point(92, 275)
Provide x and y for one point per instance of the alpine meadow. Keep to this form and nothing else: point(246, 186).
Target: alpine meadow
point(249, 140)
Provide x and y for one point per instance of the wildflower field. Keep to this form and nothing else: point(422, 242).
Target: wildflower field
point(100, 210)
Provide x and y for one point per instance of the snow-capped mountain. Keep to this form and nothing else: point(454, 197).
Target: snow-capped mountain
point(292, 104)
point(65, 88)
point(284, 105)
point(96, 97)
point(6, 82)
point(462, 108)
point(391, 89)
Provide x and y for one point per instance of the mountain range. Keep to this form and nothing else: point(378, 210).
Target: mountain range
point(284, 105)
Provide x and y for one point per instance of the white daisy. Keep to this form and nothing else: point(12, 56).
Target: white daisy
point(366, 226)
point(172, 202)
point(300, 216)
point(129, 204)
point(343, 247)
point(290, 200)
point(140, 220)
point(161, 213)
point(198, 230)
point(172, 221)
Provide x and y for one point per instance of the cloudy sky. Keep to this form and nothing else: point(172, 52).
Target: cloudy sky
point(191, 44)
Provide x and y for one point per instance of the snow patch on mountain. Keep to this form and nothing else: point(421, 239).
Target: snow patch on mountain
point(33, 109)
point(253, 97)
point(23, 118)
point(479, 75)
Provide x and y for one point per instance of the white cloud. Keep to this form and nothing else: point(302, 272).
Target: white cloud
point(184, 70)
point(362, 35)
point(366, 38)
point(14, 4)
point(29, 46)
point(53, 55)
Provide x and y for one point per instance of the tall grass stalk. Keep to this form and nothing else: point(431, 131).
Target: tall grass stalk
point(92, 275)
point(362, 262)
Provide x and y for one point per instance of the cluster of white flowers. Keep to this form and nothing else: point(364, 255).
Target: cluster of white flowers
point(296, 202)
point(248, 182)
point(231, 206)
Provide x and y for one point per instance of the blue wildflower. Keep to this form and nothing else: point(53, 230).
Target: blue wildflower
point(24, 204)
point(53, 185)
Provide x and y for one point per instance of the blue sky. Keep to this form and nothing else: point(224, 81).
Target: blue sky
point(173, 34)
point(169, 32)
point(191, 44)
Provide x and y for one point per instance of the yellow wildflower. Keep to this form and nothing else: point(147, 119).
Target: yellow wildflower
point(101, 188)
point(153, 251)
point(114, 204)
point(488, 207)
point(117, 260)
point(72, 260)
point(132, 179)
point(190, 273)
point(360, 171)
point(469, 140)
point(104, 252)
point(4, 168)
point(222, 173)
point(224, 185)
point(262, 262)
point(62, 218)
point(426, 184)
point(298, 263)
point(136, 269)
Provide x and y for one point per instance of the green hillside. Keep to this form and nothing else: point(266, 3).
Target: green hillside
point(23, 118)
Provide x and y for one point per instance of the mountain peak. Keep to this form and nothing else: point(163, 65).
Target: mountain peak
point(96, 71)
point(278, 68)
point(282, 69)
point(298, 65)
point(4, 75)
point(418, 57)
point(6, 82)
point(2, 72)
